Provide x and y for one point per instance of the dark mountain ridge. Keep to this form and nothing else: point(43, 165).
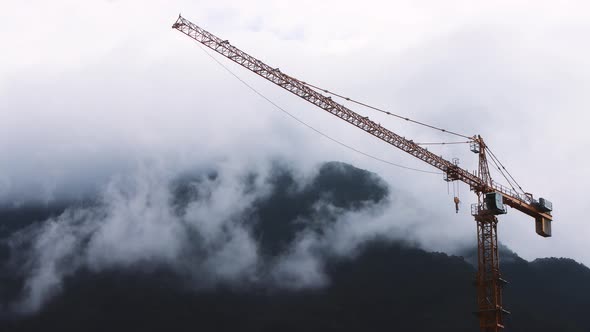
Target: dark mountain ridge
point(384, 285)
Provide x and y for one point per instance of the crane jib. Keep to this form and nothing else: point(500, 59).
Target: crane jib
point(522, 203)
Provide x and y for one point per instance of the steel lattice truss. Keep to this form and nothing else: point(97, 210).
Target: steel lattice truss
point(523, 203)
point(489, 281)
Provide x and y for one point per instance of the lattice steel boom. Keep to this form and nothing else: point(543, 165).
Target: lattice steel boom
point(489, 290)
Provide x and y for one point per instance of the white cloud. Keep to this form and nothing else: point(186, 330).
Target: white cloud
point(208, 238)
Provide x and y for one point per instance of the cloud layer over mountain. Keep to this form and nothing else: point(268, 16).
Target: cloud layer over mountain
point(214, 227)
point(223, 248)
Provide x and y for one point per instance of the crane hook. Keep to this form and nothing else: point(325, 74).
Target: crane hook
point(457, 201)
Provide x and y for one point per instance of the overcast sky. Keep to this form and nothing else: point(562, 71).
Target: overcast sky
point(89, 89)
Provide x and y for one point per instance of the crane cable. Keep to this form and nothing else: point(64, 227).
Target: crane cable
point(502, 173)
point(494, 158)
point(309, 126)
point(387, 112)
point(443, 143)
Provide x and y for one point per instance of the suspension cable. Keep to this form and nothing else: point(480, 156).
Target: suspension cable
point(495, 161)
point(443, 143)
point(309, 126)
point(504, 168)
point(387, 112)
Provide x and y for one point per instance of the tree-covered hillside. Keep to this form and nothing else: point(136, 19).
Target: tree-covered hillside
point(383, 285)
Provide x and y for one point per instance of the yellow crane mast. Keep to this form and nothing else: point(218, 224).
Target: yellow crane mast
point(492, 198)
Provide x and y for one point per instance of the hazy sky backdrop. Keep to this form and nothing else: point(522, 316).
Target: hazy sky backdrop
point(93, 89)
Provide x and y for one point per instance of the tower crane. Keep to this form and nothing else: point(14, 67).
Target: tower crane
point(492, 197)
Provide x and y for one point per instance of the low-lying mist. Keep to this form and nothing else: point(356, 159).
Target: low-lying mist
point(273, 226)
